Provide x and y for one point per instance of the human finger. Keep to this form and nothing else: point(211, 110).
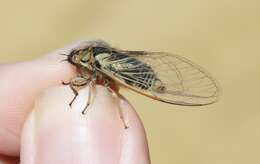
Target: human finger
point(54, 133)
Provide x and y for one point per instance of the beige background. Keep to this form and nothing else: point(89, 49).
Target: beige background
point(221, 35)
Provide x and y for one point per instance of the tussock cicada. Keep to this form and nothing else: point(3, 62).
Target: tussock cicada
point(159, 75)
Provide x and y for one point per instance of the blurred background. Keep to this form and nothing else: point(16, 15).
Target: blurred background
point(223, 36)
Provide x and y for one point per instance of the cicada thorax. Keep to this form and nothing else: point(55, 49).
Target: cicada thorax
point(130, 70)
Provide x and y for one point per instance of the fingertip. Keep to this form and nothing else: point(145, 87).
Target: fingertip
point(60, 134)
point(54, 133)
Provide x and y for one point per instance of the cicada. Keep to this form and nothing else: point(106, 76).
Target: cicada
point(161, 76)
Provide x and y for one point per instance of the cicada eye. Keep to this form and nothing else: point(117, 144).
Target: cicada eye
point(75, 58)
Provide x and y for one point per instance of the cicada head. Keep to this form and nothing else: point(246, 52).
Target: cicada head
point(80, 57)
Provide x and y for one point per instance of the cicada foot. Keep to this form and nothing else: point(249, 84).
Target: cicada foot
point(123, 119)
point(85, 109)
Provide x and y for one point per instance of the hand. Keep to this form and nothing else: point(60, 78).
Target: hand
point(37, 124)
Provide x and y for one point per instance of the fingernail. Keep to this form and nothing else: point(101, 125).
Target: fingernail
point(55, 133)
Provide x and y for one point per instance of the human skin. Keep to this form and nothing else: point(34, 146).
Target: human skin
point(38, 126)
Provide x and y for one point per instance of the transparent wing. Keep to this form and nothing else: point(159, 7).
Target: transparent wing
point(179, 80)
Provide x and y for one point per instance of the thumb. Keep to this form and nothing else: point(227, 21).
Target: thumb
point(54, 133)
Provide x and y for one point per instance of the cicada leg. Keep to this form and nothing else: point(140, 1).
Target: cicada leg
point(122, 117)
point(91, 85)
point(74, 84)
point(74, 89)
point(106, 84)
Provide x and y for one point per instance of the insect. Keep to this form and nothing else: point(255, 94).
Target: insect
point(159, 75)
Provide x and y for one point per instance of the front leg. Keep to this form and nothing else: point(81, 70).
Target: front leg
point(75, 84)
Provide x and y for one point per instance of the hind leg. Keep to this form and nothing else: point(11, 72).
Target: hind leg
point(120, 110)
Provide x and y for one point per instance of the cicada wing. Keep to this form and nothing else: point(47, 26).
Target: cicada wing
point(181, 81)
